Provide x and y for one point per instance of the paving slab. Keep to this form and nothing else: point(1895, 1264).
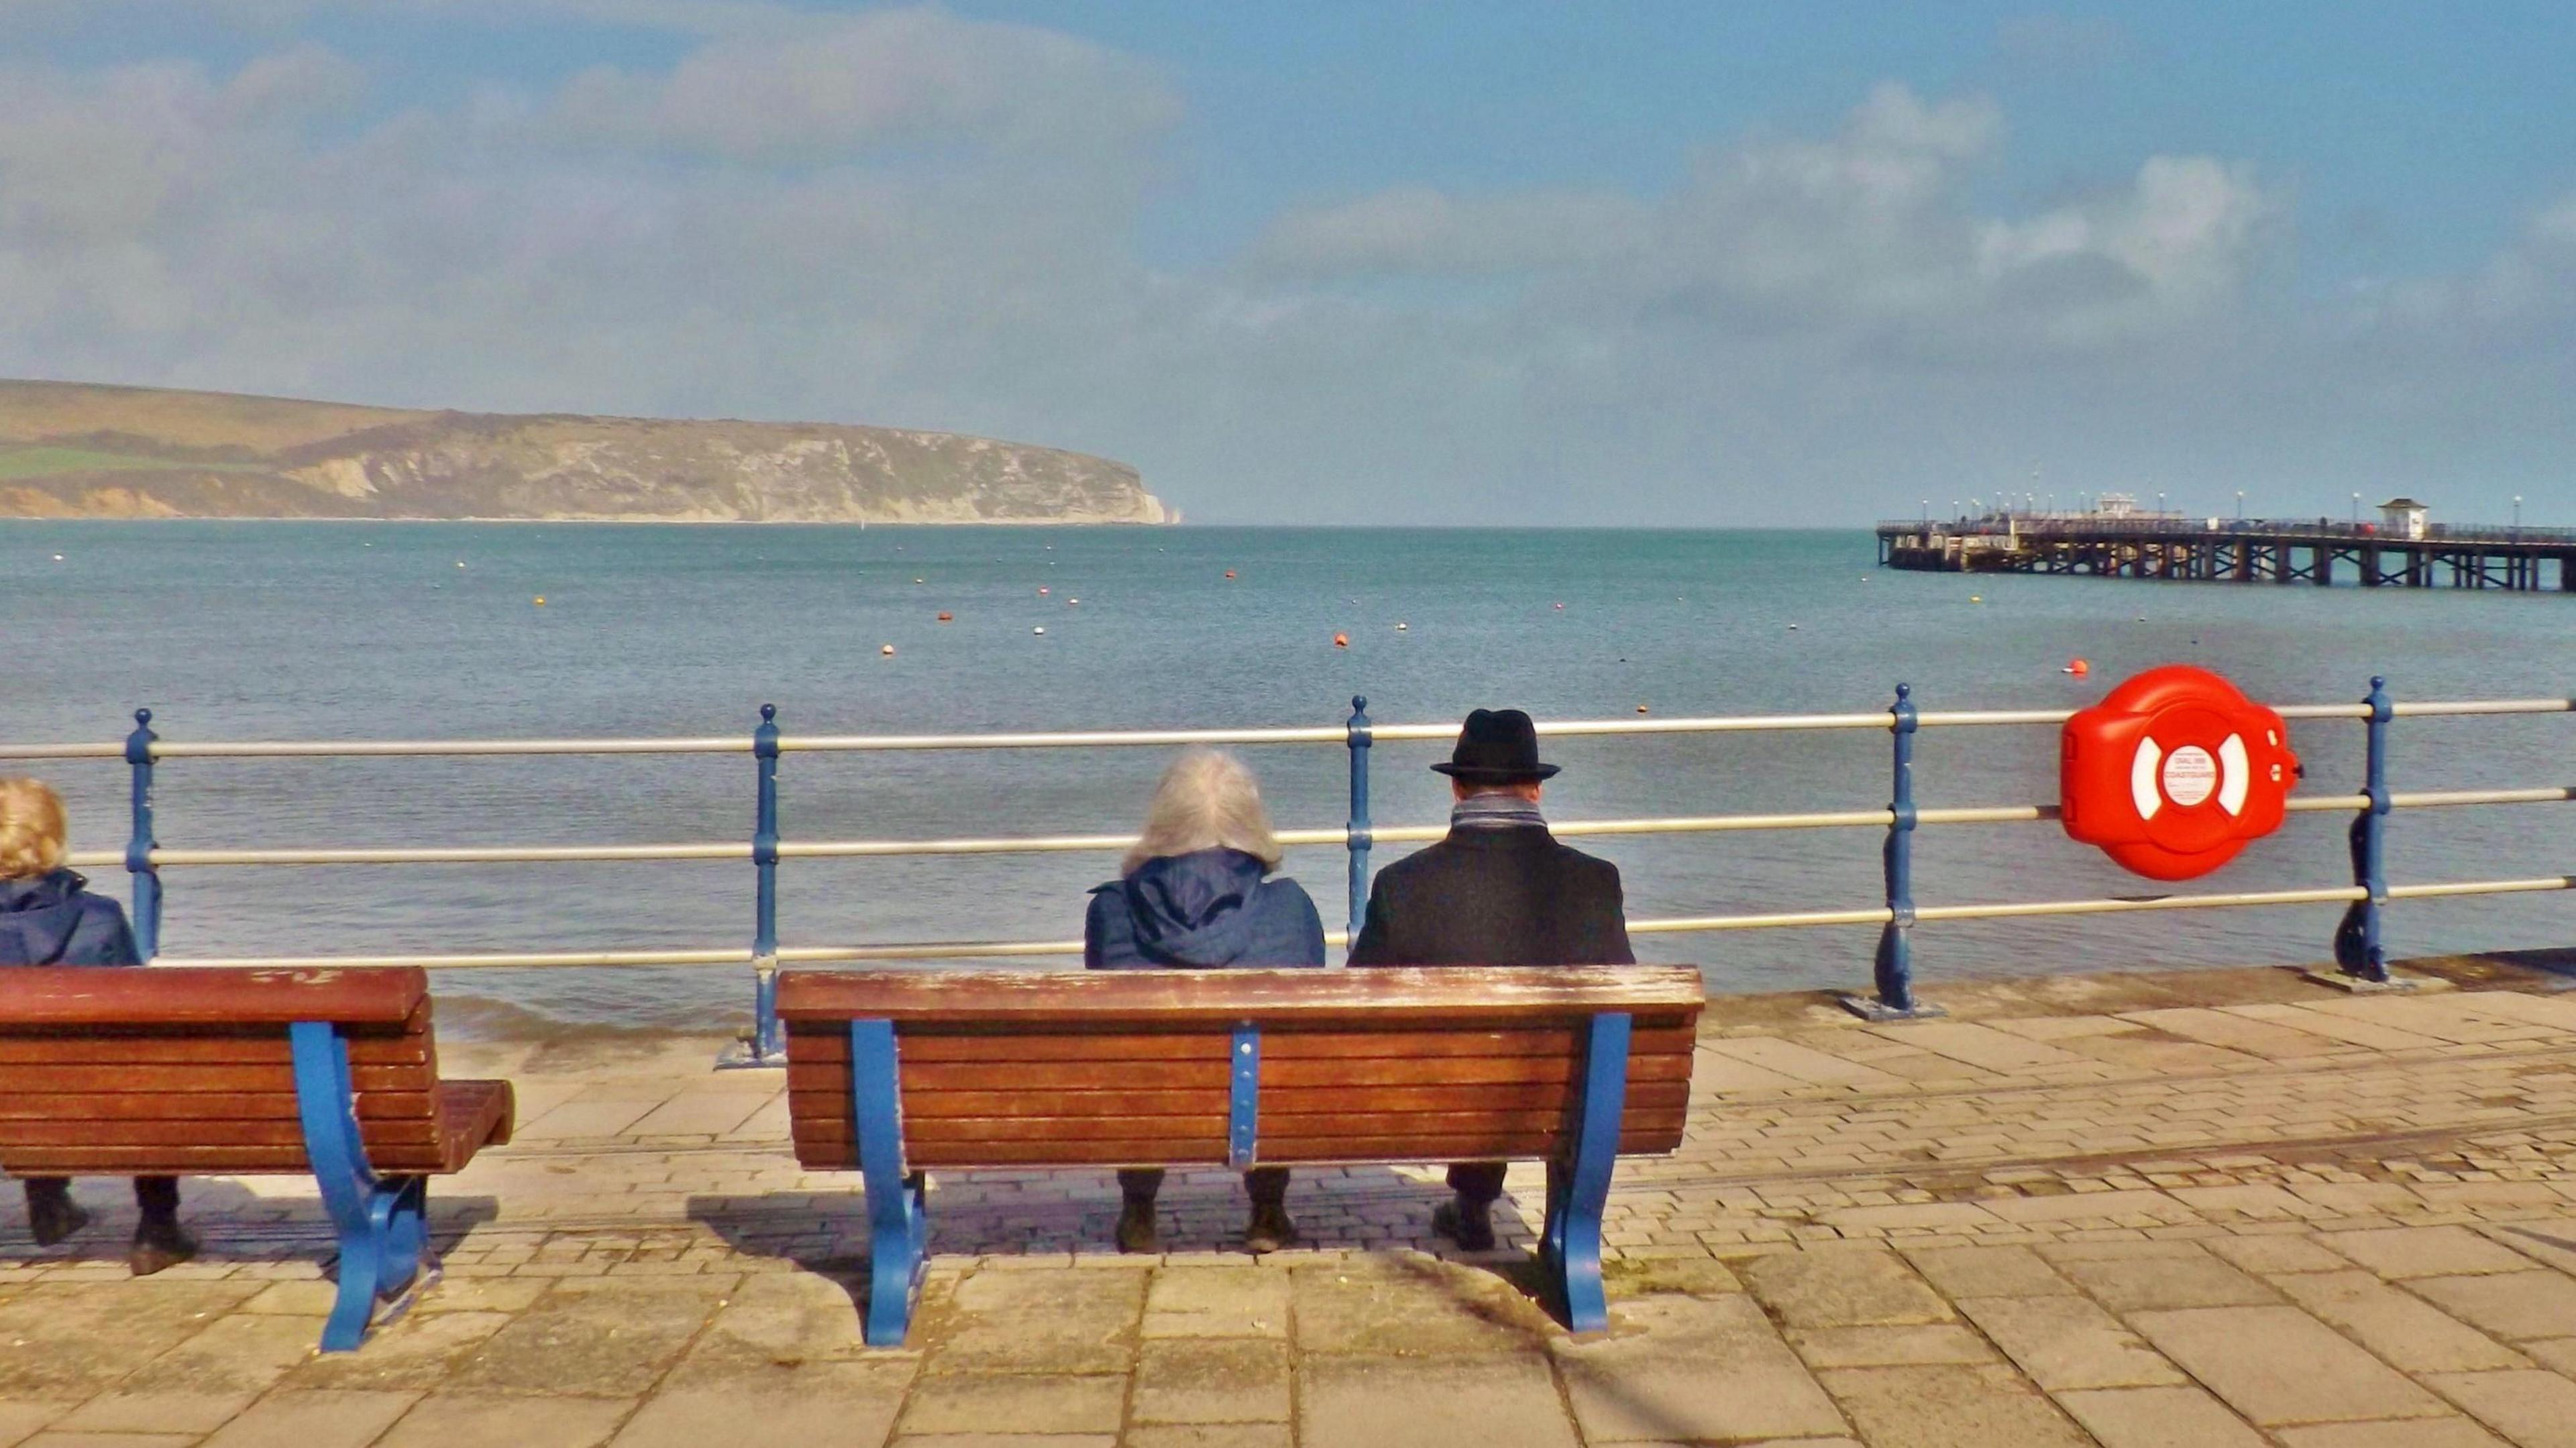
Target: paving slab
point(1689, 1369)
point(2278, 1366)
point(1949, 1407)
point(2397, 1326)
point(2069, 1342)
point(2411, 1433)
point(2510, 1305)
point(1411, 1306)
point(2535, 1409)
point(1229, 1301)
point(1849, 1287)
point(2438, 1251)
point(2158, 1417)
point(1491, 1401)
point(2187, 1278)
point(1224, 1380)
point(846, 1404)
point(1014, 1403)
point(326, 1419)
point(1988, 1272)
point(1880, 1347)
point(507, 1420)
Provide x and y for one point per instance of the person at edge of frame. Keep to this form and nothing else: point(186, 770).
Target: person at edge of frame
point(1497, 890)
point(48, 917)
point(1197, 892)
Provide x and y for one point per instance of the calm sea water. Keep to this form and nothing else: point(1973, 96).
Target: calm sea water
point(271, 630)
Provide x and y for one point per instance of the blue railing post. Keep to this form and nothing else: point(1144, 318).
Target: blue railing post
point(1894, 966)
point(2358, 952)
point(1358, 838)
point(768, 1047)
point(141, 843)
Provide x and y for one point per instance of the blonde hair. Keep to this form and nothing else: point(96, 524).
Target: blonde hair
point(32, 831)
point(1207, 799)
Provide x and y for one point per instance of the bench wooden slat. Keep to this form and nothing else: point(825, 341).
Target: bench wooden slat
point(88, 996)
point(269, 1131)
point(927, 1043)
point(202, 1106)
point(268, 1048)
point(835, 1102)
point(1372, 997)
point(78, 1080)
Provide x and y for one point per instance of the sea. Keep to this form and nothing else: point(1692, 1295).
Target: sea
point(272, 630)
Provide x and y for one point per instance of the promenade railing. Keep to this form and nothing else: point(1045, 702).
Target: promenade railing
point(2357, 944)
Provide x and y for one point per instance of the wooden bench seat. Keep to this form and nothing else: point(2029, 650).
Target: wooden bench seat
point(891, 1073)
point(140, 1072)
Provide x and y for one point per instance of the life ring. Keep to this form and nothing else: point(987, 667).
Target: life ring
point(2174, 773)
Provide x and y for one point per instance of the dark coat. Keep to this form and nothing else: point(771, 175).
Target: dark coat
point(1496, 897)
point(1205, 908)
point(53, 920)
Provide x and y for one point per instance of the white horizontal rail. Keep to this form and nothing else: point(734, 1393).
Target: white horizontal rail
point(1120, 738)
point(1301, 838)
point(999, 949)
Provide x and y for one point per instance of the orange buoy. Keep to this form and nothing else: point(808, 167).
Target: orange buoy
point(886, 649)
point(946, 617)
point(1229, 573)
point(1341, 640)
point(2078, 667)
point(541, 600)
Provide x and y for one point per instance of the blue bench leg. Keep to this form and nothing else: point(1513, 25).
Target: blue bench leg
point(898, 1217)
point(1578, 1188)
point(381, 1223)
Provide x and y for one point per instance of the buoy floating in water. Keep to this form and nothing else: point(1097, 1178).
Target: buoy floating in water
point(1043, 592)
point(2078, 667)
point(916, 580)
point(541, 600)
point(946, 617)
point(1793, 628)
point(58, 558)
point(1403, 628)
point(1641, 708)
point(1341, 640)
point(886, 649)
point(1976, 598)
point(1073, 603)
point(460, 562)
point(1229, 573)
point(1041, 628)
point(1560, 608)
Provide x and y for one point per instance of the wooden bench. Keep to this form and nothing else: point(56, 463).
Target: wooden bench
point(142, 1072)
point(897, 1072)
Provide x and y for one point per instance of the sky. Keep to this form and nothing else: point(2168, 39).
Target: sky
point(1646, 264)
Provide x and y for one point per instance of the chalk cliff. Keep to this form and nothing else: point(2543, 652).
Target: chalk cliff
point(78, 450)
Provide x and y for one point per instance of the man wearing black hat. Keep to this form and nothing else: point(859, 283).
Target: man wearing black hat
point(1499, 890)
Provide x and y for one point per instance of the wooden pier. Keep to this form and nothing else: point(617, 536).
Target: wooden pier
point(2236, 550)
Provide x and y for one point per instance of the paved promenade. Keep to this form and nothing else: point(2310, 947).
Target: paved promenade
point(2210, 1209)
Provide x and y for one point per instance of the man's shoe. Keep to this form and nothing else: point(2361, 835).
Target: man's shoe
point(1470, 1225)
point(1136, 1232)
point(159, 1245)
point(1269, 1231)
point(52, 1214)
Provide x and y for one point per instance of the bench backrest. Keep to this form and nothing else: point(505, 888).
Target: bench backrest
point(1134, 1068)
point(137, 1071)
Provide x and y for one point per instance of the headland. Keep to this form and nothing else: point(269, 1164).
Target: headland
point(81, 450)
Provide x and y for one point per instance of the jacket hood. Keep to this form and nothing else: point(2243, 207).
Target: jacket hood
point(38, 915)
point(1193, 909)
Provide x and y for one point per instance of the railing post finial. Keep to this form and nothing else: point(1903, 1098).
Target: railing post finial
point(140, 844)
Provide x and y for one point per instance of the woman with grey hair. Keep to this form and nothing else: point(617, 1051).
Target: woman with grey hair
point(1196, 893)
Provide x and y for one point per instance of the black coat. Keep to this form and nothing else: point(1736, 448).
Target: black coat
point(1496, 897)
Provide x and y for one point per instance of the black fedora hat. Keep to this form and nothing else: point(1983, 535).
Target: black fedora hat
point(1497, 746)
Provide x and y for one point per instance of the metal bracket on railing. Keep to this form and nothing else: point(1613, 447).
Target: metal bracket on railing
point(2359, 955)
point(1894, 967)
point(140, 845)
point(1358, 837)
point(1243, 1097)
point(767, 1046)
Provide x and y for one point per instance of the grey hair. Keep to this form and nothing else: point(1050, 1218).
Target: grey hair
point(1207, 799)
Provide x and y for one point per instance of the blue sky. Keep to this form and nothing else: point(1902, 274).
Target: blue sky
point(1637, 264)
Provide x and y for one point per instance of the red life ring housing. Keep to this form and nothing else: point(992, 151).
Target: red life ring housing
point(2174, 772)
